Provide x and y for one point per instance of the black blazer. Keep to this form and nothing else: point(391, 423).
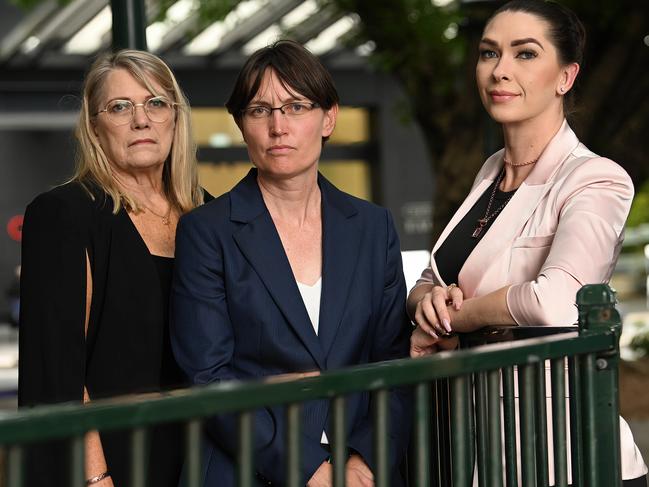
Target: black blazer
point(124, 351)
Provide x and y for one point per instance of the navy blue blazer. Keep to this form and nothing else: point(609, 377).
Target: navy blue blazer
point(237, 313)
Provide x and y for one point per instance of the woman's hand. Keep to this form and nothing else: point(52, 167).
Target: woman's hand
point(431, 313)
point(358, 473)
point(422, 344)
point(323, 477)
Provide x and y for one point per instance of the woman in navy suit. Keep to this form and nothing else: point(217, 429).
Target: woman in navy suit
point(285, 274)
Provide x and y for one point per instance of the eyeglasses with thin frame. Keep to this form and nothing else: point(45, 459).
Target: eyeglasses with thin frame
point(120, 112)
point(294, 109)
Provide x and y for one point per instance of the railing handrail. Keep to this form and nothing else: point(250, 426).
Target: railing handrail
point(65, 420)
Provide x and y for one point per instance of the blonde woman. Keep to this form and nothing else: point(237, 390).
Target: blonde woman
point(97, 261)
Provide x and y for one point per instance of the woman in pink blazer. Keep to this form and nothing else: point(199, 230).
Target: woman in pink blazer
point(545, 215)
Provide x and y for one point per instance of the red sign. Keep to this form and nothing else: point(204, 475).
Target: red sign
point(15, 227)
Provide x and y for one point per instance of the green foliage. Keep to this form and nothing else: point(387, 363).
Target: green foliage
point(413, 39)
point(640, 344)
point(640, 209)
point(210, 11)
point(430, 50)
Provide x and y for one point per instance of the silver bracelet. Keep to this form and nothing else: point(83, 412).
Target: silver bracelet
point(97, 478)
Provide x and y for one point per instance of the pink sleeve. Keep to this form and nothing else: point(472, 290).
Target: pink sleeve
point(596, 199)
point(427, 277)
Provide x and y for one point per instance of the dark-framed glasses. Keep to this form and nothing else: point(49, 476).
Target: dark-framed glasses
point(294, 109)
point(120, 112)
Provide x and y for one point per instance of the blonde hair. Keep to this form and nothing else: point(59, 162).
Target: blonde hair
point(180, 173)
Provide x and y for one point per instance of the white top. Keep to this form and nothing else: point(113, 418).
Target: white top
point(311, 297)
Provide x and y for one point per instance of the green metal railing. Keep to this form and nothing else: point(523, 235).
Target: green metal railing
point(481, 424)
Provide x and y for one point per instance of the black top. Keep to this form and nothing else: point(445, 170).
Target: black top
point(453, 253)
point(165, 442)
point(126, 349)
point(170, 375)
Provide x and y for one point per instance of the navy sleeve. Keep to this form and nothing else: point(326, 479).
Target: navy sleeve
point(391, 341)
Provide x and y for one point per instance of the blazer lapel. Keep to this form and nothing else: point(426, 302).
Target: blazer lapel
point(259, 242)
point(457, 217)
point(340, 248)
point(512, 219)
point(505, 228)
point(489, 171)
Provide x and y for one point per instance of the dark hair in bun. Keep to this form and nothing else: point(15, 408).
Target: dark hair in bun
point(566, 31)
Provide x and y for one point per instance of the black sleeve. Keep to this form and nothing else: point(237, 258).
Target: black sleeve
point(52, 302)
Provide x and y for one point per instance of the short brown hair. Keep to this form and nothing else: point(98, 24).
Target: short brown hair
point(296, 68)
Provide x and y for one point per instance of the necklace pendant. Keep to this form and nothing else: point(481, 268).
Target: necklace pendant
point(478, 229)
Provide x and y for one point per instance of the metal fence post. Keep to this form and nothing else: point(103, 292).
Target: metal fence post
point(294, 445)
point(463, 437)
point(381, 431)
point(15, 460)
point(421, 477)
point(193, 441)
point(129, 24)
point(599, 371)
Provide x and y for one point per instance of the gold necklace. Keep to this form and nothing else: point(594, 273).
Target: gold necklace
point(165, 218)
point(513, 164)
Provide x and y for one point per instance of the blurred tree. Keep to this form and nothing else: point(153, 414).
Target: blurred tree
point(430, 50)
point(613, 119)
point(415, 41)
point(430, 46)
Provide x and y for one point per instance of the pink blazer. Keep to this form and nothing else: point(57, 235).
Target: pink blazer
point(562, 229)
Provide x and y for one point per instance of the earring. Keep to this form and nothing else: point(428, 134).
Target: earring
point(562, 89)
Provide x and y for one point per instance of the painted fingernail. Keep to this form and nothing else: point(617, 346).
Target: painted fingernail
point(446, 324)
point(433, 334)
